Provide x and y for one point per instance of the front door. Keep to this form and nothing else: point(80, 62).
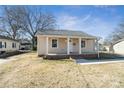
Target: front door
point(71, 45)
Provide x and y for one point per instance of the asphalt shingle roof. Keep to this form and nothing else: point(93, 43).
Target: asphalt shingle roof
point(8, 38)
point(65, 33)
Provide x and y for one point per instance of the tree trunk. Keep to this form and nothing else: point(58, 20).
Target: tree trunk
point(34, 43)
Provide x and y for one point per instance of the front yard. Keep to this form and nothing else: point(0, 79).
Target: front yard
point(28, 70)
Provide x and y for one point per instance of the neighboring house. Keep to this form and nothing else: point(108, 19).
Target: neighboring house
point(107, 48)
point(118, 47)
point(8, 44)
point(25, 44)
point(101, 47)
point(64, 42)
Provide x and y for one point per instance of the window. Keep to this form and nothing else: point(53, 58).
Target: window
point(5, 44)
point(54, 43)
point(12, 45)
point(0, 44)
point(82, 44)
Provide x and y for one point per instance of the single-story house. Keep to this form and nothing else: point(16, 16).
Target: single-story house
point(118, 47)
point(8, 44)
point(65, 42)
point(25, 44)
point(107, 47)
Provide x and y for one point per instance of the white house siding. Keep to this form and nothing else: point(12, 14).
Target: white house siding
point(62, 45)
point(9, 45)
point(61, 48)
point(41, 45)
point(89, 46)
point(119, 48)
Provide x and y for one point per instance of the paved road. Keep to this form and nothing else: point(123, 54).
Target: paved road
point(86, 62)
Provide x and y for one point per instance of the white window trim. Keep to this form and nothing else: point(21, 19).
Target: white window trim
point(13, 45)
point(57, 42)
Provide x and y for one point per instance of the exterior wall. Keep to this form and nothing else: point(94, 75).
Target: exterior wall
point(107, 48)
point(89, 46)
point(61, 48)
point(41, 45)
point(26, 47)
point(119, 48)
point(9, 45)
point(62, 45)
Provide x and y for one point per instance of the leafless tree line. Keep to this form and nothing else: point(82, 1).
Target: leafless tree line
point(25, 21)
point(116, 35)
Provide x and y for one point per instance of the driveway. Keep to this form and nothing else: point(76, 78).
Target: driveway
point(9, 59)
point(86, 62)
point(3, 61)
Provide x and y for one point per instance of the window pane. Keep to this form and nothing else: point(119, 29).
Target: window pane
point(82, 44)
point(12, 45)
point(0, 44)
point(54, 43)
point(5, 44)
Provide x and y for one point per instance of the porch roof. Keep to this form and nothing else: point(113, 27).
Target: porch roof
point(65, 33)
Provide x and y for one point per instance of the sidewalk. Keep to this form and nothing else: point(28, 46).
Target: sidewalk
point(88, 62)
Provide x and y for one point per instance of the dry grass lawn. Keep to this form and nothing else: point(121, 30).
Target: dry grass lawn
point(31, 71)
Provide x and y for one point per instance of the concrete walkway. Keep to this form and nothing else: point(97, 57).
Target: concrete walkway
point(5, 60)
point(88, 62)
point(9, 59)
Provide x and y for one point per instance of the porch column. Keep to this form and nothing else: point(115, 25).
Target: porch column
point(79, 45)
point(68, 48)
point(46, 45)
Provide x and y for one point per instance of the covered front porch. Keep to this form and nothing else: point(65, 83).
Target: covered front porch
point(69, 45)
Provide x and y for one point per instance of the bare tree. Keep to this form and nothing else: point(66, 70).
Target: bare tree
point(116, 35)
point(35, 21)
point(26, 20)
point(11, 21)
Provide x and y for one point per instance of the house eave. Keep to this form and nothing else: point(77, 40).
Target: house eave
point(60, 36)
